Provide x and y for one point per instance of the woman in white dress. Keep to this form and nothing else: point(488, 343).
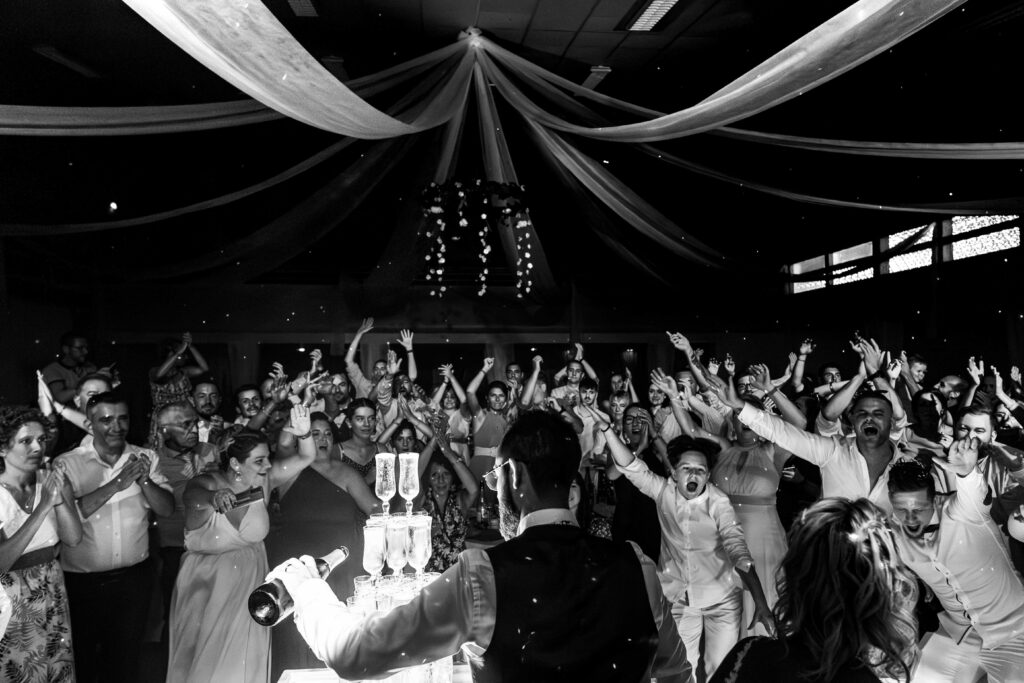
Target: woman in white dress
point(212, 637)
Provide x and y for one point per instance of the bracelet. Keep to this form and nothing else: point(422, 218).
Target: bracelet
point(306, 435)
point(606, 429)
point(801, 357)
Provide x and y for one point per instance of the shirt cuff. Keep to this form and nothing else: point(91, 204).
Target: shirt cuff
point(312, 592)
point(748, 413)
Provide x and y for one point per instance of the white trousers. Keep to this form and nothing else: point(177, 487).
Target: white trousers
point(943, 661)
point(720, 624)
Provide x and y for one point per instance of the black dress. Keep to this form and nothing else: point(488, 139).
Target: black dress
point(636, 515)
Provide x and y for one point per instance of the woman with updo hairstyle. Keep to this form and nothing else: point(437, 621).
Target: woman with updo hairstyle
point(212, 637)
point(845, 608)
point(358, 450)
point(37, 515)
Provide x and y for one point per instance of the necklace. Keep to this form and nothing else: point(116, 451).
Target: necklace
point(25, 505)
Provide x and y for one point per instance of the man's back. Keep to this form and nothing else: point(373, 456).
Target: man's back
point(568, 604)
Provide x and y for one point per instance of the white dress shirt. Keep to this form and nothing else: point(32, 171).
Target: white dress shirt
point(117, 534)
point(966, 564)
point(457, 609)
point(701, 540)
point(844, 471)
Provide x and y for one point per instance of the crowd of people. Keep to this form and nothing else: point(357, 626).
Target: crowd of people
point(853, 524)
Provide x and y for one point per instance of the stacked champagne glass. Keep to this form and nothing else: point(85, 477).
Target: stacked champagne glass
point(397, 540)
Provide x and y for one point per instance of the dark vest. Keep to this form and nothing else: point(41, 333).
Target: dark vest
point(569, 607)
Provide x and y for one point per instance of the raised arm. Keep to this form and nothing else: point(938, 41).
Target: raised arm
point(201, 367)
point(165, 367)
point(49, 407)
point(681, 343)
point(678, 398)
point(405, 339)
point(526, 400)
point(761, 379)
point(586, 366)
point(976, 370)
point(474, 385)
point(633, 396)
point(806, 349)
point(912, 386)
point(811, 447)
point(287, 468)
point(360, 384)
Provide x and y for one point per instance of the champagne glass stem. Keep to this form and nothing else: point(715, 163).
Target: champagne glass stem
point(408, 508)
point(385, 507)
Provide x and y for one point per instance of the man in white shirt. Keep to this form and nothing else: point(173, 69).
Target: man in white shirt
point(851, 467)
point(701, 544)
point(108, 575)
point(953, 545)
point(551, 603)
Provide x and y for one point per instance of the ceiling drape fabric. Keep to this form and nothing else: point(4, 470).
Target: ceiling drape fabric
point(500, 168)
point(247, 46)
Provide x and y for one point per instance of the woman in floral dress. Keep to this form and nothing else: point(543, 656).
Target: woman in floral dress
point(37, 513)
point(449, 490)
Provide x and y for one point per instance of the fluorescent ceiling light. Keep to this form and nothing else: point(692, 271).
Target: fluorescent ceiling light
point(652, 14)
point(303, 8)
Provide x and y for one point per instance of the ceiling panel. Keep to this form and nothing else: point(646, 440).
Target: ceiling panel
point(631, 58)
point(562, 15)
point(593, 39)
point(511, 35)
point(449, 12)
point(587, 55)
point(491, 21)
point(549, 41)
point(595, 23)
point(616, 9)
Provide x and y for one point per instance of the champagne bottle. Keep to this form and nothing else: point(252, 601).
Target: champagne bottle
point(271, 603)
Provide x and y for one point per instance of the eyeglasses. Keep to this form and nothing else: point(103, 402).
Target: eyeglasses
point(491, 476)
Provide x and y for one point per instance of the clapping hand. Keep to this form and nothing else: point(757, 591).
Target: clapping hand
point(760, 377)
point(186, 341)
point(53, 487)
point(446, 371)
point(713, 366)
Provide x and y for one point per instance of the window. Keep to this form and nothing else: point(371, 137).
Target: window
point(851, 253)
point(986, 244)
point(911, 260)
point(998, 233)
point(816, 263)
point(865, 274)
point(964, 224)
point(800, 287)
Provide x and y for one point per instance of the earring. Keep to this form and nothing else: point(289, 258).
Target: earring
point(238, 475)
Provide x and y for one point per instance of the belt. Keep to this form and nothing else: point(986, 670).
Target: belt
point(458, 439)
point(481, 450)
point(751, 500)
point(36, 557)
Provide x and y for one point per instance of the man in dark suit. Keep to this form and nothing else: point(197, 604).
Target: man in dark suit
point(550, 604)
